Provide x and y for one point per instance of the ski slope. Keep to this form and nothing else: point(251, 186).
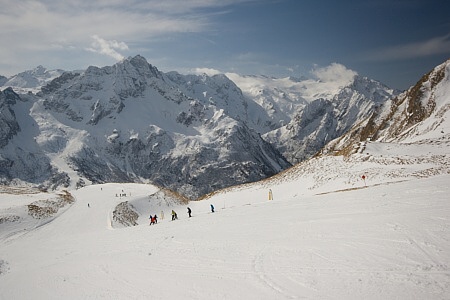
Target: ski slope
point(386, 241)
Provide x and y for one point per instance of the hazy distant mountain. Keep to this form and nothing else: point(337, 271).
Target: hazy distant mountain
point(324, 119)
point(31, 80)
point(302, 115)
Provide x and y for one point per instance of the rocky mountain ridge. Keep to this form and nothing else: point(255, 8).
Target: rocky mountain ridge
point(414, 116)
point(194, 134)
point(324, 119)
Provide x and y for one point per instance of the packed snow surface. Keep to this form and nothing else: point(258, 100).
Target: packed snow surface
point(366, 240)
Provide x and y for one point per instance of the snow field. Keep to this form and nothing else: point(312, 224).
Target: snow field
point(388, 241)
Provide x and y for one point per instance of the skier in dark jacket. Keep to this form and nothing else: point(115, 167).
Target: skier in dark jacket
point(174, 215)
point(212, 208)
point(189, 212)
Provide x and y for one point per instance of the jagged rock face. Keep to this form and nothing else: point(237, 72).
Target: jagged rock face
point(23, 161)
point(217, 90)
point(235, 155)
point(407, 117)
point(3, 80)
point(21, 166)
point(323, 120)
point(99, 92)
point(8, 123)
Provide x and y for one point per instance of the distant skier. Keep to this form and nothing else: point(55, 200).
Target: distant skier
point(89, 205)
point(212, 208)
point(152, 220)
point(162, 215)
point(174, 215)
point(189, 212)
point(156, 219)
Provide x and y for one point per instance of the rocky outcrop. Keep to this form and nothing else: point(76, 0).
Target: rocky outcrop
point(8, 123)
point(125, 215)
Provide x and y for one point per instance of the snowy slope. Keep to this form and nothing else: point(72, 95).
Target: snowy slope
point(324, 236)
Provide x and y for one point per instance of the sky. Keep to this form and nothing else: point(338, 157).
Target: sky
point(393, 41)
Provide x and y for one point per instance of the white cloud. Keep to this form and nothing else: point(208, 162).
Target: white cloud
point(186, 6)
point(437, 45)
point(207, 71)
point(334, 73)
point(39, 31)
point(108, 48)
point(327, 82)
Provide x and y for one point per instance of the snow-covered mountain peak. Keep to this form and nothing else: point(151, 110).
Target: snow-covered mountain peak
point(131, 122)
point(137, 66)
point(418, 115)
point(331, 109)
point(31, 80)
point(372, 89)
point(423, 111)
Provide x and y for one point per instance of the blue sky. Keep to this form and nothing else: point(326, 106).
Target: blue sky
point(393, 41)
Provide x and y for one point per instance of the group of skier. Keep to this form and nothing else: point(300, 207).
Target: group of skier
point(154, 219)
